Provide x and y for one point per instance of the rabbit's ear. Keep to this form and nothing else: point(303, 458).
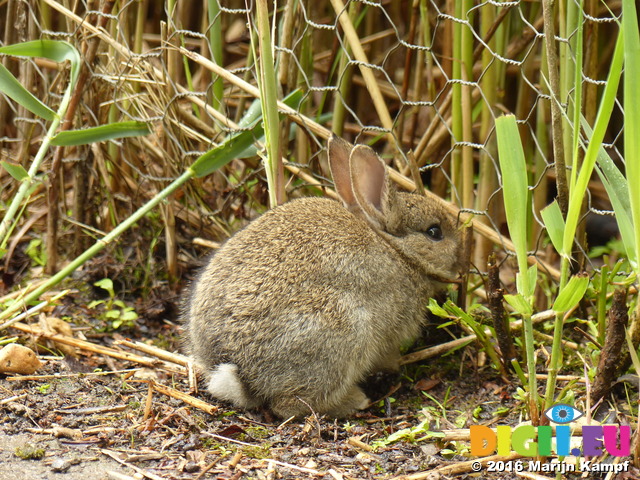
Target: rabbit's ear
point(339, 152)
point(371, 185)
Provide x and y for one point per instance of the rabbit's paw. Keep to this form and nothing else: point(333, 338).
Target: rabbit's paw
point(295, 406)
point(354, 399)
point(224, 384)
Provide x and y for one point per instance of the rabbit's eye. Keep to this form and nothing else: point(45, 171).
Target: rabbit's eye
point(435, 232)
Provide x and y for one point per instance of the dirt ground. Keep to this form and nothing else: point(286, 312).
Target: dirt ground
point(101, 417)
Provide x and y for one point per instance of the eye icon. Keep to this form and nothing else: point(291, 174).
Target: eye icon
point(563, 413)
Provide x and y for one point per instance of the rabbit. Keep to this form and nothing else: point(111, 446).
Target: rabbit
point(299, 307)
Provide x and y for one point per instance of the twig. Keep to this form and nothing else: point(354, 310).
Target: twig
point(28, 313)
point(92, 410)
point(556, 111)
point(206, 469)
point(91, 347)
point(4, 401)
point(119, 476)
point(227, 439)
point(142, 472)
point(437, 350)
point(22, 378)
point(495, 295)
point(233, 463)
point(176, 358)
point(188, 399)
point(294, 467)
point(356, 442)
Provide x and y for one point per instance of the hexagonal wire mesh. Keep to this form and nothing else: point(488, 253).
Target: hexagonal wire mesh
point(429, 76)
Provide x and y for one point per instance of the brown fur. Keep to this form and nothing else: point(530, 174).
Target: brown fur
point(305, 302)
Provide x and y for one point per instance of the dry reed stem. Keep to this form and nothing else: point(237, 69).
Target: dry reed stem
point(365, 70)
point(140, 471)
point(91, 347)
point(70, 375)
point(186, 398)
point(176, 358)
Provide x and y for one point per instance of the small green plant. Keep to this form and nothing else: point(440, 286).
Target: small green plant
point(36, 252)
point(348, 426)
point(419, 433)
point(116, 311)
point(44, 388)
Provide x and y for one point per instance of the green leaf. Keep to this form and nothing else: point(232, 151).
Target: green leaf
point(519, 303)
point(226, 151)
point(515, 186)
point(631, 33)
point(95, 303)
point(55, 50)
point(112, 313)
point(129, 316)
point(571, 294)
point(13, 89)
point(619, 195)
point(554, 223)
point(101, 133)
point(106, 284)
point(527, 287)
point(437, 309)
point(16, 171)
point(595, 143)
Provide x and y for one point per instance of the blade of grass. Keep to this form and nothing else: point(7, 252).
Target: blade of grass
point(55, 50)
point(631, 114)
point(12, 88)
point(516, 192)
point(554, 223)
point(515, 187)
point(100, 134)
point(269, 100)
point(569, 297)
point(599, 129)
point(216, 42)
point(16, 171)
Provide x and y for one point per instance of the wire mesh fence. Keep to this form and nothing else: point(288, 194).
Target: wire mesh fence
point(424, 76)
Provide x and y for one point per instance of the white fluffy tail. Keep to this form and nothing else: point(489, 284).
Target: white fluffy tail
point(224, 384)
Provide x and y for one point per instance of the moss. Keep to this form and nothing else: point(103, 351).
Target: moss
point(258, 432)
point(29, 451)
point(259, 451)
